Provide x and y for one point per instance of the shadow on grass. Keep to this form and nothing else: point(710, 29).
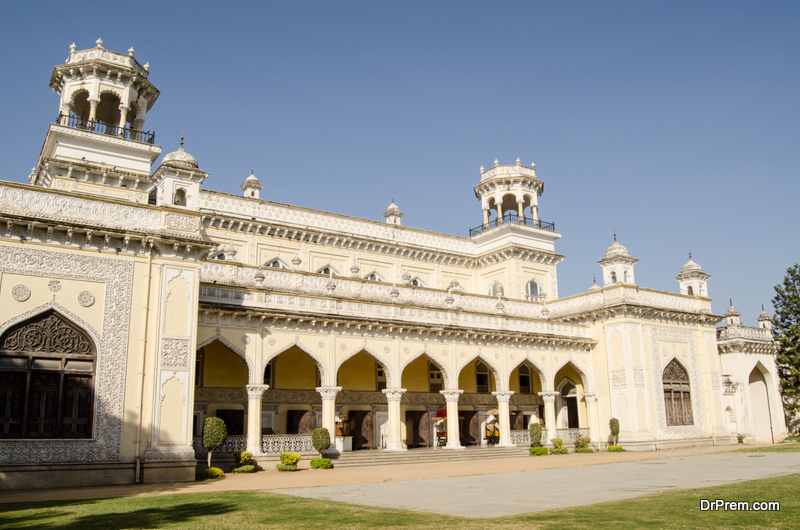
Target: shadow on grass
point(150, 517)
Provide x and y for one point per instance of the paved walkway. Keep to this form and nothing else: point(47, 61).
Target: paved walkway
point(531, 491)
point(509, 486)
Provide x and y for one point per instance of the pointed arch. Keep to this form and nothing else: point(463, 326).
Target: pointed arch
point(586, 381)
point(416, 281)
point(390, 380)
point(537, 368)
point(323, 369)
point(448, 379)
point(498, 381)
point(328, 270)
point(374, 276)
point(252, 378)
point(496, 289)
point(276, 262)
point(63, 312)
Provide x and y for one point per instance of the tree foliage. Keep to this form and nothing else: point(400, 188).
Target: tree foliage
point(214, 434)
point(321, 440)
point(787, 333)
point(613, 424)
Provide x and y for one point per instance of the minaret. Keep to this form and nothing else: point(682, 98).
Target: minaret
point(393, 214)
point(178, 180)
point(693, 281)
point(617, 265)
point(732, 316)
point(251, 186)
point(764, 320)
point(506, 189)
point(98, 136)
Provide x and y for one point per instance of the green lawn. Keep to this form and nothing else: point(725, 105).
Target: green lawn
point(785, 447)
point(244, 510)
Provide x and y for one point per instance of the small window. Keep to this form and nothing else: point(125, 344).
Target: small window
point(482, 378)
point(690, 291)
point(374, 276)
point(416, 282)
point(380, 377)
point(269, 374)
point(435, 380)
point(199, 367)
point(276, 263)
point(533, 290)
point(525, 386)
point(613, 277)
point(179, 199)
point(328, 271)
point(221, 256)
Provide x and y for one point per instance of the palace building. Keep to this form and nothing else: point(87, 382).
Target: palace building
point(134, 303)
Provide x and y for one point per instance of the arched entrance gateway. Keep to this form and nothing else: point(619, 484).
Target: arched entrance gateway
point(759, 403)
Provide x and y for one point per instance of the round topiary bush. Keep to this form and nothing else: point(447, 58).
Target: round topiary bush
point(321, 440)
point(286, 467)
point(214, 472)
point(289, 458)
point(538, 451)
point(321, 463)
point(613, 424)
point(536, 434)
point(558, 443)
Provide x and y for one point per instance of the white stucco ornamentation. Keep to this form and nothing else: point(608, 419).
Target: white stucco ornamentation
point(174, 352)
point(20, 292)
point(86, 299)
point(112, 352)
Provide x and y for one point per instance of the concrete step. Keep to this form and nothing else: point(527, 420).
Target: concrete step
point(366, 458)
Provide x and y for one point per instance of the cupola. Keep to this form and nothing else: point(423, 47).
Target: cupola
point(251, 186)
point(693, 281)
point(617, 265)
point(177, 180)
point(393, 214)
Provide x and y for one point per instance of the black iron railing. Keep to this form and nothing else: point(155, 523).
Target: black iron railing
point(77, 122)
point(513, 218)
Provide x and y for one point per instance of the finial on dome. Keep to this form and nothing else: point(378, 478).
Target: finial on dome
point(182, 147)
point(762, 308)
point(72, 48)
point(146, 67)
point(615, 236)
point(495, 162)
point(131, 51)
point(594, 278)
point(730, 300)
point(518, 161)
point(99, 43)
point(482, 170)
point(690, 254)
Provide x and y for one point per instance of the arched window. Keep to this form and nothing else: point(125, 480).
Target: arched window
point(482, 378)
point(496, 289)
point(677, 394)
point(690, 291)
point(47, 368)
point(374, 276)
point(380, 377)
point(416, 282)
point(179, 199)
point(435, 380)
point(569, 406)
point(525, 386)
point(533, 290)
point(613, 277)
point(328, 270)
point(276, 263)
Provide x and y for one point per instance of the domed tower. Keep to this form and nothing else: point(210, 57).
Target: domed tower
point(617, 265)
point(178, 180)
point(393, 214)
point(98, 136)
point(251, 186)
point(512, 192)
point(764, 320)
point(692, 279)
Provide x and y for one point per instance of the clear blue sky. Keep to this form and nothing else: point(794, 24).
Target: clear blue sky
point(675, 123)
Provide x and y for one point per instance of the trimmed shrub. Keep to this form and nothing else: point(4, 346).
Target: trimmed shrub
point(559, 451)
point(214, 435)
point(613, 424)
point(558, 443)
point(214, 472)
point(321, 463)
point(286, 467)
point(584, 450)
point(244, 462)
point(582, 442)
point(538, 451)
point(536, 435)
point(740, 437)
point(321, 440)
point(615, 448)
point(289, 458)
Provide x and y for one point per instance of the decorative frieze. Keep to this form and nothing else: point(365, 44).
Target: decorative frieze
point(174, 352)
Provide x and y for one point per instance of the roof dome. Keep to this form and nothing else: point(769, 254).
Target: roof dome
point(691, 266)
point(180, 159)
point(393, 207)
point(616, 250)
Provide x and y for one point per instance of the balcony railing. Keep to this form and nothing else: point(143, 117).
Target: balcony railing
point(521, 438)
point(77, 122)
point(513, 218)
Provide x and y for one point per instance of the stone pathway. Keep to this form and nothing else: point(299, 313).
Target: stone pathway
point(538, 490)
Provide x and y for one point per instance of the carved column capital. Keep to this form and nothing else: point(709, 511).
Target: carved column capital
point(328, 393)
point(393, 394)
point(451, 395)
point(256, 391)
point(503, 396)
point(590, 397)
point(548, 397)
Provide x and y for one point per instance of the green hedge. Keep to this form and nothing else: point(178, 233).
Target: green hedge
point(286, 467)
point(559, 451)
point(243, 469)
point(558, 443)
point(583, 442)
point(214, 472)
point(244, 462)
point(538, 451)
point(584, 450)
point(289, 458)
point(615, 448)
point(321, 463)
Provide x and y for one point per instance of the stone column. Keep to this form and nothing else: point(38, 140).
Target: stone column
point(482, 410)
point(520, 211)
point(535, 211)
point(393, 397)
point(93, 109)
point(549, 399)
point(328, 394)
point(453, 431)
point(503, 412)
point(123, 118)
point(591, 415)
point(254, 395)
point(486, 213)
point(65, 110)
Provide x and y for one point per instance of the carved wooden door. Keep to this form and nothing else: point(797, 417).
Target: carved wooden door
point(306, 424)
